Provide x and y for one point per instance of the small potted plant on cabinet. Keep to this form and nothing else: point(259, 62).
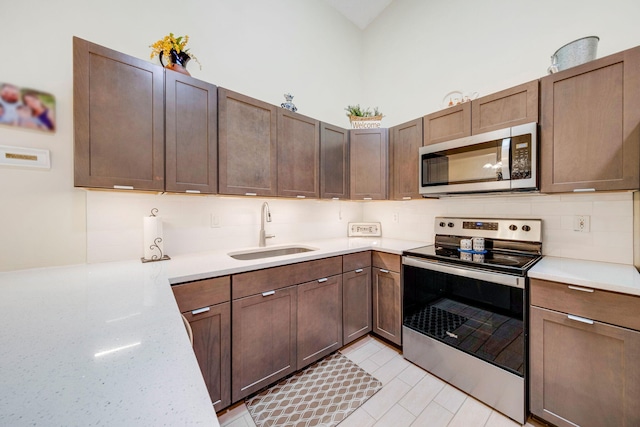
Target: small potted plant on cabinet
point(363, 118)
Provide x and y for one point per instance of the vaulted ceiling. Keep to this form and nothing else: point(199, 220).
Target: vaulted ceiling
point(360, 12)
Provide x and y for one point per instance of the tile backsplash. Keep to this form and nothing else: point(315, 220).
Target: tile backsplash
point(202, 223)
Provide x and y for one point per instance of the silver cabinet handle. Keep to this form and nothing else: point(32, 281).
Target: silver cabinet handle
point(367, 198)
point(250, 194)
point(580, 319)
point(266, 294)
point(406, 198)
point(300, 197)
point(123, 187)
point(382, 270)
point(201, 310)
point(583, 190)
point(324, 279)
point(193, 191)
point(576, 288)
point(359, 270)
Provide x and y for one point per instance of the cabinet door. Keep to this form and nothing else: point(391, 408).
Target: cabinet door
point(263, 340)
point(387, 309)
point(445, 125)
point(334, 162)
point(356, 303)
point(590, 126)
point(298, 155)
point(247, 144)
point(369, 164)
point(118, 106)
point(405, 141)
point(583, 374)
point(212, 346)
point(191, 135)
point(510, 107)
point(319, 319)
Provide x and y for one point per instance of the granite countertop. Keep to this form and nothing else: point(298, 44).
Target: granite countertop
point(105, 344)
point(593, 274)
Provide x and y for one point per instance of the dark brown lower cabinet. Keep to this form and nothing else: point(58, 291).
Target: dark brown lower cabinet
point(583, 372)
point(263, 340)
point(212, 346)
point(356, 303)
point(319, 319)
point(387, 309)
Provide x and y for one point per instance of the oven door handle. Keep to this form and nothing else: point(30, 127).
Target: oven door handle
point(471, 273)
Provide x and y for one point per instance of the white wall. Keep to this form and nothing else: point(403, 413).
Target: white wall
point(418, 51)
point(611, 215)
point(263, 48)
point(114, 222)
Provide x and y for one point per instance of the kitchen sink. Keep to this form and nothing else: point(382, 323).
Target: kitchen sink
point(269, 252)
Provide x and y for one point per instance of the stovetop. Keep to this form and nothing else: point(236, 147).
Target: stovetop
point(495, 260)
point(512, 245)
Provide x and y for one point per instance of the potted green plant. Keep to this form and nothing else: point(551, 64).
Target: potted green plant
point(363, 118)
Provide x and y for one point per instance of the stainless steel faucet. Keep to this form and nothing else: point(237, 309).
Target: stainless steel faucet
point(263, 237)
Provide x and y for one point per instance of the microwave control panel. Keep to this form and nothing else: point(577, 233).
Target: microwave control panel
point(521, 157)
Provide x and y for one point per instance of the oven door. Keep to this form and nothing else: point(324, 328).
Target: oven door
point(478, 312)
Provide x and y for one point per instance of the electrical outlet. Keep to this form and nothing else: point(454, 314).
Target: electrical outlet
point(396, 217)
point(215, 220)
point(581, 223)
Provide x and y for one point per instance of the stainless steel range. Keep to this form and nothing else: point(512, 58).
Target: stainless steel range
point(465, 307)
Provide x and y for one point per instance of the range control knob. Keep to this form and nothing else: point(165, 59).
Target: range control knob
point(442, 224)
point(526, 228)
point(513, 227)
point(450, 225)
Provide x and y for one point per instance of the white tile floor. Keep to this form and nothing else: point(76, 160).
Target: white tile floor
point(409, 396)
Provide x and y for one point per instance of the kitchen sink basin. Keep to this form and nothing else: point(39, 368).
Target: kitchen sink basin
point(269, 252)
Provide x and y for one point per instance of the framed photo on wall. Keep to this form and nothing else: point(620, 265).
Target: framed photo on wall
point(27, 108)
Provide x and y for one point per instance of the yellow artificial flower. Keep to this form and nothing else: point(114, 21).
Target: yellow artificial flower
point(168, 43)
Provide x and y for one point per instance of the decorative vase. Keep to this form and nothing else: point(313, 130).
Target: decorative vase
point(177, 61)
point(289, 104)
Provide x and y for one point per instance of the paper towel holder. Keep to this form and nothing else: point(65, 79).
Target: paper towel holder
point(155, 246)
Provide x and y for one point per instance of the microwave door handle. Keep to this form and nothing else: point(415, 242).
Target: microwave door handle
point(506, 159)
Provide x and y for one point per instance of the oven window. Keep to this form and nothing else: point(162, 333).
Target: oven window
point(481, 318)
point(474, 163)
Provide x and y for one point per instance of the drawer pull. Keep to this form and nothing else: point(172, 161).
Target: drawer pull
point(324, 279)
point(266, 294)
point(576, 288)
point(580, 319)
point(382, 270)
point(200, 310)
point(193, 191)
point(583, 190)
point(359, 270)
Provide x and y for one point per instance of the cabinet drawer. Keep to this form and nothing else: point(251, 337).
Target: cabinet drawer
point(255, 282)
point(386, 261)
point(202, 293)
point(358, 260)
point(608, 307)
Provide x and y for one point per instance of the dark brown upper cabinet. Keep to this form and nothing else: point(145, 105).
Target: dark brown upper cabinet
point(445, 125)
point(404, 142)
point(118, 106)
point(247, 145)
point(298, 155)
point(369, 163)
point(334, 162)
point(590, 126)
point(191, 135)
point(509, 107)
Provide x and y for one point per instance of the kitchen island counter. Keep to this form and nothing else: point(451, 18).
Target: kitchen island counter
point(105, 344)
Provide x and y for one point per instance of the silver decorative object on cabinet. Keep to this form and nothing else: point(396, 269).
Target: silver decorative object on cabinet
point(288, 104)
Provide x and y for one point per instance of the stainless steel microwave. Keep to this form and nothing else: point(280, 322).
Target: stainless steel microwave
point(501, 160)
